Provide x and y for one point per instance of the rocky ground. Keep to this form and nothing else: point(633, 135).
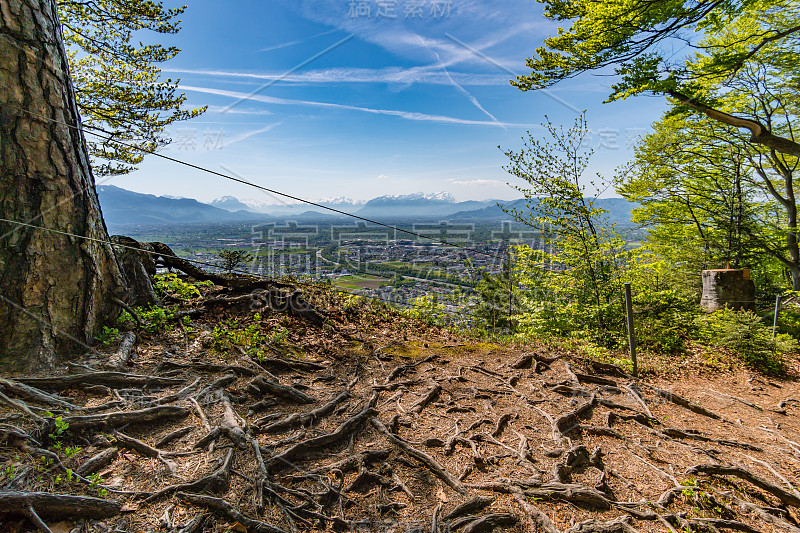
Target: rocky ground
point(376, 422)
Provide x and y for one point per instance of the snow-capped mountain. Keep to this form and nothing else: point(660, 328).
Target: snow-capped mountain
point(121, 206)
point(442, 196)
point(231, 203)
point(286, 206)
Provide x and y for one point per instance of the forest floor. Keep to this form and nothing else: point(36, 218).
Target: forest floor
point(375, 422)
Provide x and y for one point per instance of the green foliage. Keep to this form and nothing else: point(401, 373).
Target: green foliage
point(118, 84)
point(788, 321)
point(428, 310)
point(744, 333)
point(60, 426)
point(108, 336)
point(664, 309)
point(170, 283)
point(251, 337)
point(576, 285)
point(499, 301)
point(711, 198)
point(95, 480)
point(233, 259)
point(278, 337)
point(156, 319)
point(638, 38)
point(69, 451)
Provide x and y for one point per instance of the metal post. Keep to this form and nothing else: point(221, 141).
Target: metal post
point(631, 334)
point(510, 287)
point(775, 318)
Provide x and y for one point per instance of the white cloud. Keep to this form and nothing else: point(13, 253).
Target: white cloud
point(476, 183)
point(422, 75)
point(238, 110)
point(408, 115)
point(298, 41)
point(383, 177)
point(249, 134)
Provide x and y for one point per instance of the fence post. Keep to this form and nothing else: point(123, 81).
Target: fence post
point(631, 334)
point(775, 318)
point(510, 288)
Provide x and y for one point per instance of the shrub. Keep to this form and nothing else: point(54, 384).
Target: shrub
point(170, 283)
point(744, 333)
point(233, 259)
point(664, 320)
point(428, 310)
point(108, 336)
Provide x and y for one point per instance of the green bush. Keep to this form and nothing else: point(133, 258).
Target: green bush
point(170, 283)
point(427, 309)
point(745, 334)
point(108, 336)
point(664, 320)
point(155, 319)
point(252, 338)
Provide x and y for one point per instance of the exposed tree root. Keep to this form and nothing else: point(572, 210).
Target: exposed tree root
point(119, 418)
point(97, 462)
point(58, 505)
point(262, 385)
point(487, 523)
point(223, 508)
point(216, 481)
point(121, 357)
point(303, 419)
point(109, 379)
point(683, 402)
point(305, 447)
point(422, 457)
point(471, 506)
point(461, 447)
point(18, 389)
point(787, 498)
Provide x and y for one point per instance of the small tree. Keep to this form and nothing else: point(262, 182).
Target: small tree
point(584, 266)
point(233, 259)
point(499, 296)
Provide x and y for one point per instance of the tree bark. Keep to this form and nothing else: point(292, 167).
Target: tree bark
point(760, 134)
point(56, 291)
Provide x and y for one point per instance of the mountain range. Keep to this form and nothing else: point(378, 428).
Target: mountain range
point(121, 206)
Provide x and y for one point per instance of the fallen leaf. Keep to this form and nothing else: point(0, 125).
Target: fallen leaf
point(239, 528)
point(129, 508)
point(61, 527)
point(441, 496)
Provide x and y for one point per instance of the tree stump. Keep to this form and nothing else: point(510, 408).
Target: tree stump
point(727, 287)
point(138, 268)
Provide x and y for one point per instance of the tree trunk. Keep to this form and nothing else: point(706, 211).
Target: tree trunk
point(56, 291)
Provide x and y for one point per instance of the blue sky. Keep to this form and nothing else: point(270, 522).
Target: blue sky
point(341, 98)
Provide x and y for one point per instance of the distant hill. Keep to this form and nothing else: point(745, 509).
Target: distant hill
point(288, 209)
point(619, 210)
point(121, 206)
point(232, 204)
point(418, 205)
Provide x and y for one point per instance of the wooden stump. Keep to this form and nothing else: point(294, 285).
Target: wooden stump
point(727, 287)
point(138, 268)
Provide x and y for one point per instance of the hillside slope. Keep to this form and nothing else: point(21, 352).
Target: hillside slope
point(121, 206)
point(376, 422)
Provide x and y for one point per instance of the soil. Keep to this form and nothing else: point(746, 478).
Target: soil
point(376, 422)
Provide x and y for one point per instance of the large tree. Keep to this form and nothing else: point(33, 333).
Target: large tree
point(702, 179)
point(682, 49)
point(55, 290)
point(117, 81)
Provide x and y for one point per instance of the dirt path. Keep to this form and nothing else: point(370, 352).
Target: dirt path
point(395, 427)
